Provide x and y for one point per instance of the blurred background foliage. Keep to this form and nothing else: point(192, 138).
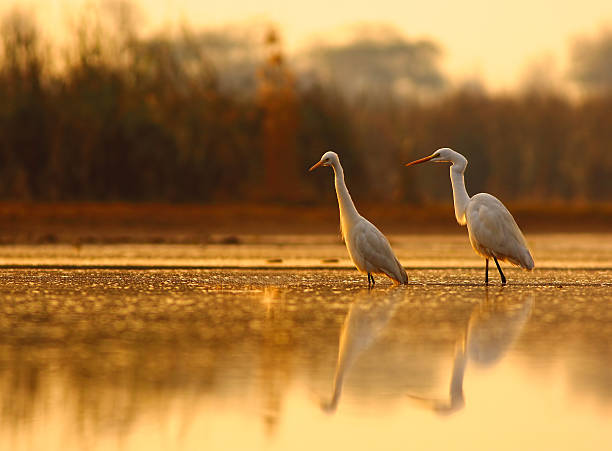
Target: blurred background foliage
point(226, 116)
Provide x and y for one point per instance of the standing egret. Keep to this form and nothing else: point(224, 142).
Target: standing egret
point(367, 246)
point(492, 229)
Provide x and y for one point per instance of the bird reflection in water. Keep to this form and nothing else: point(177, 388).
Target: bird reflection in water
point(493, 326)
point(491, 330)
point(365, 320)
point(455, 400)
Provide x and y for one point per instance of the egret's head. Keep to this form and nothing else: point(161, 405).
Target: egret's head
point(443, 155)
point(327, 159)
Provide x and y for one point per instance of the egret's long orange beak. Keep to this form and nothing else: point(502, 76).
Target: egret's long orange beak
point(320, 163)
point(422, 160)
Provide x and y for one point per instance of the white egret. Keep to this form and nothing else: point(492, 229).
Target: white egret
point(492, 230)
point(368, 248)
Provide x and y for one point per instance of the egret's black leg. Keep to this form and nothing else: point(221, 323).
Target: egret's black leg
point(370, 280)
point(487, 272)
point(500, 272)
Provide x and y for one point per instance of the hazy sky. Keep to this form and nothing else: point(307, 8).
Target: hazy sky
point(494, 40)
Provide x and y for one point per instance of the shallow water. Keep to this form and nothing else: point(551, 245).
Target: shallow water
point(218, 358)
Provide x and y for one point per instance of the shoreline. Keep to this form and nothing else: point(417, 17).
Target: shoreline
point(86, 222)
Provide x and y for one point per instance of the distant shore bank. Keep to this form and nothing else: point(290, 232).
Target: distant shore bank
point(45, 223)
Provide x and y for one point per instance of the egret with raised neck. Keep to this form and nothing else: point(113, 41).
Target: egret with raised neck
point(368, 248)
point(492, 230)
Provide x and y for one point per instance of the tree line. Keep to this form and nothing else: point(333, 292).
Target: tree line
point(120, 117)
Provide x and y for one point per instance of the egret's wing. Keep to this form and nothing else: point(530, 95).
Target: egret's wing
point(376, 251)
point(492, 226)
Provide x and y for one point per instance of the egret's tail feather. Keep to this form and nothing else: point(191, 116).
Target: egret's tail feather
point(527, 261)
point(524, 260)
point(399, 274)
point(404, 276)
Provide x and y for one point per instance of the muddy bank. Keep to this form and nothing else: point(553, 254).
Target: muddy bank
point(75, 223)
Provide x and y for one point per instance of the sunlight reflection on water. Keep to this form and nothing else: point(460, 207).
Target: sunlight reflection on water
point(303, 359)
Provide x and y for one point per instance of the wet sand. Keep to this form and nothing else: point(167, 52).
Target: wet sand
point(416, 251)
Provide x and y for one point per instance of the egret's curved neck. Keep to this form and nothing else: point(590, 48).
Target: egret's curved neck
point(460, 195)
point(348, 212)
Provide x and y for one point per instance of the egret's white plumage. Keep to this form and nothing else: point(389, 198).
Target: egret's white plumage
point(368, 248)
point(492, 230)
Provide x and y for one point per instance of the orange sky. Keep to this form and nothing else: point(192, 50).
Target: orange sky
point(494, 41)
